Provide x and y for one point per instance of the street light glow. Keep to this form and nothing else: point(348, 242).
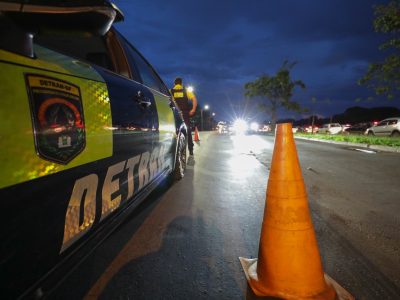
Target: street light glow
point(190, 89)
point(206, 107)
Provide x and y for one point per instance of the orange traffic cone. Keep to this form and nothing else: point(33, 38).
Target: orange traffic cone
point(289, 264)
point(196, 135)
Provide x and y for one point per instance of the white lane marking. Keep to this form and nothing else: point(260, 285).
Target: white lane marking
point(365, 151)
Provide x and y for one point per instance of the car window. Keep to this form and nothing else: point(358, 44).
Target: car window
point(148, 75)
point(392, 122)
point(80, 44)
point(382, 123)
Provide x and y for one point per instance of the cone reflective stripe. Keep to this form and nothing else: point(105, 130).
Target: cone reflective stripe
point(289, 264)
point(196, 135)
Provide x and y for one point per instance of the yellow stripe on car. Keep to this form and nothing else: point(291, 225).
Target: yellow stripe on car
point(18, 157)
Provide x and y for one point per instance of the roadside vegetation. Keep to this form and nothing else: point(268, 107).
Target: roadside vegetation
point(361, 139)
point(275, 91)
point(384, 77)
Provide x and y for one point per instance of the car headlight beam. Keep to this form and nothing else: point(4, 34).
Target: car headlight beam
point(240, 126)
point(254, 126)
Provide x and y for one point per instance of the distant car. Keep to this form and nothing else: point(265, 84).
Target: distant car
point(308, 129)
point(357, 128)
point(331, 128)
point(265, 128)
point(239, 127)
point(222, 127)
point(345, 126)
point(388, 127)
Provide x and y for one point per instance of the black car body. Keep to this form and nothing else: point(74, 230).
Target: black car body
point(357, 128)
point(88, 131)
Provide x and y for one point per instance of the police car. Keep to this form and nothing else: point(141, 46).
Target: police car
point(88, 130)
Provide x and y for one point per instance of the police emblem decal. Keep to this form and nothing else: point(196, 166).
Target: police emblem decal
point(57, 118)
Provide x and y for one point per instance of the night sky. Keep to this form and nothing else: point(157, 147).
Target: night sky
point(217, 46)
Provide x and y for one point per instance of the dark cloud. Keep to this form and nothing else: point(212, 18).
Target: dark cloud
point(218, 46)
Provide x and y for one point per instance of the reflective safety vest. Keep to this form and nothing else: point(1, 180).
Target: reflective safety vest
point(181, 99)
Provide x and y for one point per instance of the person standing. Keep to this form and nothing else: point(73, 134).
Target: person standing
point(182, 97)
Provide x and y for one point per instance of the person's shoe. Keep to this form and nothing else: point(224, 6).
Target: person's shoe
point(191, 153)
point(190, 160)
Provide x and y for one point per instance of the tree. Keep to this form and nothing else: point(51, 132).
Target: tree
point(384, 77)
point(275, 91)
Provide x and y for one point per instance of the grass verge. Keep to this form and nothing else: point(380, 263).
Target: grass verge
point(360, 139)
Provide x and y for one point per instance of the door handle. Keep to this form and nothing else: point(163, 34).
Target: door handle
point(142, 100)
point(144, 103)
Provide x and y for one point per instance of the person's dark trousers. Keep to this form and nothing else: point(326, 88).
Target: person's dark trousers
point(189, 132)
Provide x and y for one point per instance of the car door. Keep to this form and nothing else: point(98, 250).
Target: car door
point(134, 122)
point(324, 128)
point(392, 126)
point(335, 128)
point(381, 128)
point(165, 128)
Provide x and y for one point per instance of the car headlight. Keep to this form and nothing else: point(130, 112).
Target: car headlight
point(240, 126)
point(254, 126)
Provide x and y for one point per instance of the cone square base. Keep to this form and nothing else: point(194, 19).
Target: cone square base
point(249, 266)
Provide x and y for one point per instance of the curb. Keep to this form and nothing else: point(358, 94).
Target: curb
point(365, 146)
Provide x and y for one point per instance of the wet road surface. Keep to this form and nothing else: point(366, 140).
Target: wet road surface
point(184, 241)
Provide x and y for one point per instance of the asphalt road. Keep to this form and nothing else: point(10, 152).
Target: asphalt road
point(184, 241)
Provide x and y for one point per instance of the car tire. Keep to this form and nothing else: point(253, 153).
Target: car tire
point(395, 134)
point(371, 133)
point(180, 158)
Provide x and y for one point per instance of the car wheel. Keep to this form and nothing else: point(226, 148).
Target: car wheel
point(180, 158)
point(370, 133)
point(395, 134)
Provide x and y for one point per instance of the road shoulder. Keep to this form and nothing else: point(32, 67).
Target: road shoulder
point(379, 148)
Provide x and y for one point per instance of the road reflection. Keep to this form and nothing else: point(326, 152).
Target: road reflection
point(245, 147)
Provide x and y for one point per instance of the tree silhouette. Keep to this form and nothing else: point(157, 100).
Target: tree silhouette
point(275, 91)
point(384, 77)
